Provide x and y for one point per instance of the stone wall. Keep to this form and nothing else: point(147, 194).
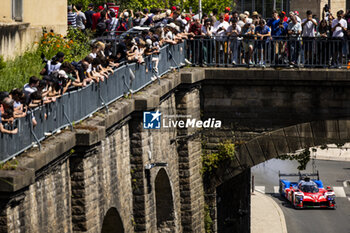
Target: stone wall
point(153, 146)
point(190, 164)
point(101, 180)
point(45, 206)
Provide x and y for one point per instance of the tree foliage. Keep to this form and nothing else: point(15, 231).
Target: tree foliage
point(211, 161)
point(303, 158)
point(207, 5)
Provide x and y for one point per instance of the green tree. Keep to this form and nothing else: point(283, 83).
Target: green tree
point(207, 5)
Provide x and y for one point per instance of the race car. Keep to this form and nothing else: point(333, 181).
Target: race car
point(306, 192)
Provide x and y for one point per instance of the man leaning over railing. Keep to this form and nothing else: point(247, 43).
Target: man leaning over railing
point(2, 110)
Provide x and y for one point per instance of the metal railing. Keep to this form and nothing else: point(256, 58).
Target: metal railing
point(271, 52)
point(77, 105)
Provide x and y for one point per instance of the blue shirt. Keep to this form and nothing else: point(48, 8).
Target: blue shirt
point(281, 31)
point(262, 30)
point(0, 117)
point(273, 23)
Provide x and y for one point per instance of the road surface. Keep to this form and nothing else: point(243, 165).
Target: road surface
point(332, 173)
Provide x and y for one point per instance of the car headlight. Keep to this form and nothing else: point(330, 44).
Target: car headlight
point(331, 198)
point(299, 198)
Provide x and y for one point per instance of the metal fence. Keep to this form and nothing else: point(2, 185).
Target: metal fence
point(77, 105)
point(272, 52)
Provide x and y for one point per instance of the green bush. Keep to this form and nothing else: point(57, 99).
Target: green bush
point(211, 161)
point(15, 73)
point(2, 63)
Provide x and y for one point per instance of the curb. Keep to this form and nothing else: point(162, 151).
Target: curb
point(279, 210)
point(334, 158)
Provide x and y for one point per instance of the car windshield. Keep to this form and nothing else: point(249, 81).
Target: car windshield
point(309, 188)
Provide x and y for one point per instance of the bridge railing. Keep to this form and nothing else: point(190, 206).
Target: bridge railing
point(77, 105)
point(271, 52)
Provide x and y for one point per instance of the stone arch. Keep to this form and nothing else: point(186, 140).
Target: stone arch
point(112, 222)
point(164, 203)
point(285, 140)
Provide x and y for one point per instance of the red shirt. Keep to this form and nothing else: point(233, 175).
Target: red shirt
point(196, 29)
point(95, 18)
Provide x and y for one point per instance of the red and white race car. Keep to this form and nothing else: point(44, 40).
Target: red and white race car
point(307, 192)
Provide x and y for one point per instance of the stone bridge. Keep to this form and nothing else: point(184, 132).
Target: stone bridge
point(109, 173)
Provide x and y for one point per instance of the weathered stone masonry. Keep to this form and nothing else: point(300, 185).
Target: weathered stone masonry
point(95, 178)
point(82, 176)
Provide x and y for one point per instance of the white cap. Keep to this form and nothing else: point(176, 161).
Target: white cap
point(195, 17)
point(62, 74)
point(149, 41)
point(246, 13)
point(172, 25)
point(126, 14)
point(168, 12)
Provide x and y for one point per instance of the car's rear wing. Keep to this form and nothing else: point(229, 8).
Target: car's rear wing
point(300, 175)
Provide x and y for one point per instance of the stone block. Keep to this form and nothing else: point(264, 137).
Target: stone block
point(267, 147)
point(279, 140)
point(192, 76)
point(332, 130)
point(319, 132)
point(51, 149)
point(344, 129)
point(13, 180)
point(243, 156)
point(292, 137)
point(143, 102)
point(255, 151)
point(89, 135)
point(305, 135)
point(116, 115)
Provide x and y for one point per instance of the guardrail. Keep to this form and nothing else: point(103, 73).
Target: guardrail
point(77, 105)
point(272, 52)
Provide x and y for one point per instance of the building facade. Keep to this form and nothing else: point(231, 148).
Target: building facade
point(21, 23)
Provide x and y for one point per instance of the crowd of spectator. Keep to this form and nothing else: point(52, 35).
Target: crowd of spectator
point(236, 35)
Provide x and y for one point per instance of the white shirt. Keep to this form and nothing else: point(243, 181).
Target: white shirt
point(93, 55)
point(338, 32)
point(219, 25)
point(51, 67)
point(249, 20)
point(240, 23)
point(27, 90)
point(169, 35)
point(238, 29)
point(309, 28)
point(298, 19)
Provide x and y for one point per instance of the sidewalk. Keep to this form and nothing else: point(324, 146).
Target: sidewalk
point(266, 215)
point(334, 153)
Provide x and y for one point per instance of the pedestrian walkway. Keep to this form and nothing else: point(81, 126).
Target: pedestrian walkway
point(266, 215)
point(332, 152)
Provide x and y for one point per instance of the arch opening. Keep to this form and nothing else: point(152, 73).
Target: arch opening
point(164, 203)
point(112, 222)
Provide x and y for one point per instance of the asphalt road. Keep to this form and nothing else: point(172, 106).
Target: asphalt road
point(332, 173)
